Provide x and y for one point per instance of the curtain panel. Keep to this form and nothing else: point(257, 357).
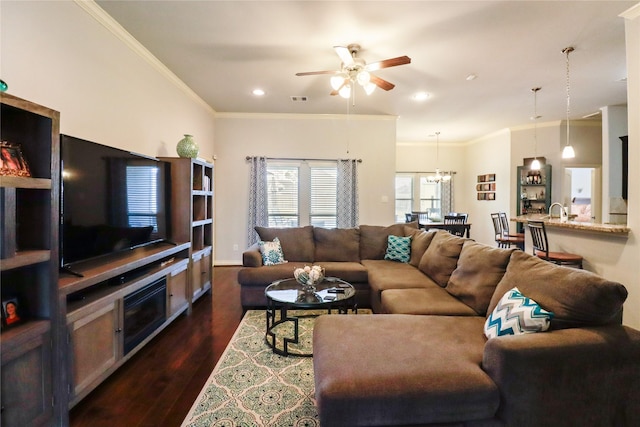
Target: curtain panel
point(258, 199)
point(347, 194)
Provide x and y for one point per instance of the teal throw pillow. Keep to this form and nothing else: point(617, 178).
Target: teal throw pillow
point(516, 314)
point(398, 248)
point(271, 252)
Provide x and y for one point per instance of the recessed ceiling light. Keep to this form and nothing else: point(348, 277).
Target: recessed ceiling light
point(258, 92)
point(420, 96)
point(471, 77)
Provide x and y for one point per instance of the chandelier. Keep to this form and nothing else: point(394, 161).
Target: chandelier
point(535, 164)
point(438, 177)
point(568, 152)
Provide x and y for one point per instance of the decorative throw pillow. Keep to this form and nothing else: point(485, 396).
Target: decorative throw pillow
point(516, 314)
point(271, 252)
point(398, 248)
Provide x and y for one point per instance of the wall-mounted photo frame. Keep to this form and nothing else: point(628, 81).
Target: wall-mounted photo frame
point(11, 312)
point(12, 162)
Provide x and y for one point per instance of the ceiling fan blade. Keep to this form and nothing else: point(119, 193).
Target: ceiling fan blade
point(314, 73)
point(381, 83)
point(344, 54)
point(392, 62)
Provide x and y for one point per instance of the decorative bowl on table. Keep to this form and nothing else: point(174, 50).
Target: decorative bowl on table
point(309, 277)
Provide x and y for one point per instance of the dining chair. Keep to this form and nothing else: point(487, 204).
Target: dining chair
point(455, 218)
point(541, 247)
point(410, 217)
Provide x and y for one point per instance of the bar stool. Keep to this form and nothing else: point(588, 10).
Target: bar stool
point(541, 247)
point(505, 226)
point(505, 240)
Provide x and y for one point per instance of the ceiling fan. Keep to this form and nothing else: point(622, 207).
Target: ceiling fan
point(354, 69)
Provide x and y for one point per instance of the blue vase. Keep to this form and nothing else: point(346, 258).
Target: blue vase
point(187, 147)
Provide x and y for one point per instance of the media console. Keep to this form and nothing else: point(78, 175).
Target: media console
point(119, 305)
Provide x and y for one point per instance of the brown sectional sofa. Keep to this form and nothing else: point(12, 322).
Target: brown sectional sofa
point(426, 360)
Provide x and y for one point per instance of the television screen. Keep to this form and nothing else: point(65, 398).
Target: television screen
point(112, 200)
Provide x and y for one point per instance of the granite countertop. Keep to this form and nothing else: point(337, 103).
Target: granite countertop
point(574, 225)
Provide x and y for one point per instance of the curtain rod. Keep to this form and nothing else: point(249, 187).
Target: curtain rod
point(303, 160)
point(451, 172)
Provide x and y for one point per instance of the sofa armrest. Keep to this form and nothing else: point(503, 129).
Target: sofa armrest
point(252, 257)
point(579, 376)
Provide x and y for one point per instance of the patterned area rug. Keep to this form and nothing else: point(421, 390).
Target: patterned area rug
point(252, 386)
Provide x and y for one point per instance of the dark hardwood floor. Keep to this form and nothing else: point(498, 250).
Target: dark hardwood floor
point(158, 385)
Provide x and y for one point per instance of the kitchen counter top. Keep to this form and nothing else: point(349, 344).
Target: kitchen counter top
point(574, 225)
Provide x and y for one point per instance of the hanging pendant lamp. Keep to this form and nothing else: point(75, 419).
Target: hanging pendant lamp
point(568, 151)
point(535, 164)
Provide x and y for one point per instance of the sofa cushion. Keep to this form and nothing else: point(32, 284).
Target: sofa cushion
point(420, 240)
point(271, 252)
point(480, 268)
point(297, 242)
point(428, 374)
point(398, 249)
point(336, 244)
point(373, 238)
point(427, 301)
point(441, 257)
point(352, 272)
point(263, 276)
point(516, 314)
point(576, 297)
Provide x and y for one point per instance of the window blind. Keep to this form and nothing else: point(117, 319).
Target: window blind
point(142, 196)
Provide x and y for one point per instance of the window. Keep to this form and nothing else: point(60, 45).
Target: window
point(415, 193)
point(142, 196)
point(302, 193)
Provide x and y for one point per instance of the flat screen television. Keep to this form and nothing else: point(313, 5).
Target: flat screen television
point(112, 200)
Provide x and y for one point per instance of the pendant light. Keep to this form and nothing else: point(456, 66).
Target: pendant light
point(568, 152)
point(438, 177)
point(535, 164)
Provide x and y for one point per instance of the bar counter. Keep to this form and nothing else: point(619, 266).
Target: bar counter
point(574, 225)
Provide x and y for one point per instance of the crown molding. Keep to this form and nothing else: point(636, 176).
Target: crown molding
point(107, 21)
point(632, 13)
point(302, 116)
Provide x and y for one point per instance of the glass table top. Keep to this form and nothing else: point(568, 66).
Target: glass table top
point(289, 291)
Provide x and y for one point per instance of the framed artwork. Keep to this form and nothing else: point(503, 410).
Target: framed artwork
point(486, 187)
point(11, 312)
point(12, 162)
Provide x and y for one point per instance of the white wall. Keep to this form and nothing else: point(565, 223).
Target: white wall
point(370, 138)
point(488, 155)
point(58, 55)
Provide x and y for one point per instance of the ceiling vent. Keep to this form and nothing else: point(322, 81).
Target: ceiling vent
point(299, 98)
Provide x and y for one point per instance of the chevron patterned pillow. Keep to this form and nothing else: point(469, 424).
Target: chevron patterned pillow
point(398, 248)
point(516, 314)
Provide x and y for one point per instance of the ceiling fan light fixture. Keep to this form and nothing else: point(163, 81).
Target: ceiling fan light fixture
point(345, 91)
point(369, 88)
point(363, 78)
point(337, 81)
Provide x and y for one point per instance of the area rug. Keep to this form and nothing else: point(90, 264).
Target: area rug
point(252, 386)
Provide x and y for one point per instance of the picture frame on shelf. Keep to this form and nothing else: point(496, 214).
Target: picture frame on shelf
point(12, 162)
point(11, 312)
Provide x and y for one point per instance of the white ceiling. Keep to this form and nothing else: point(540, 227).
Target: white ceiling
point(224, 49)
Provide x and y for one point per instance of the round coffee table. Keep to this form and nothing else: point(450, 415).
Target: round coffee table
point(287, 294)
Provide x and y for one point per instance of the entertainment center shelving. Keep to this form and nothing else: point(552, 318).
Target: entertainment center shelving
point(30, 348)
point(73, 332)
point(192, 179)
